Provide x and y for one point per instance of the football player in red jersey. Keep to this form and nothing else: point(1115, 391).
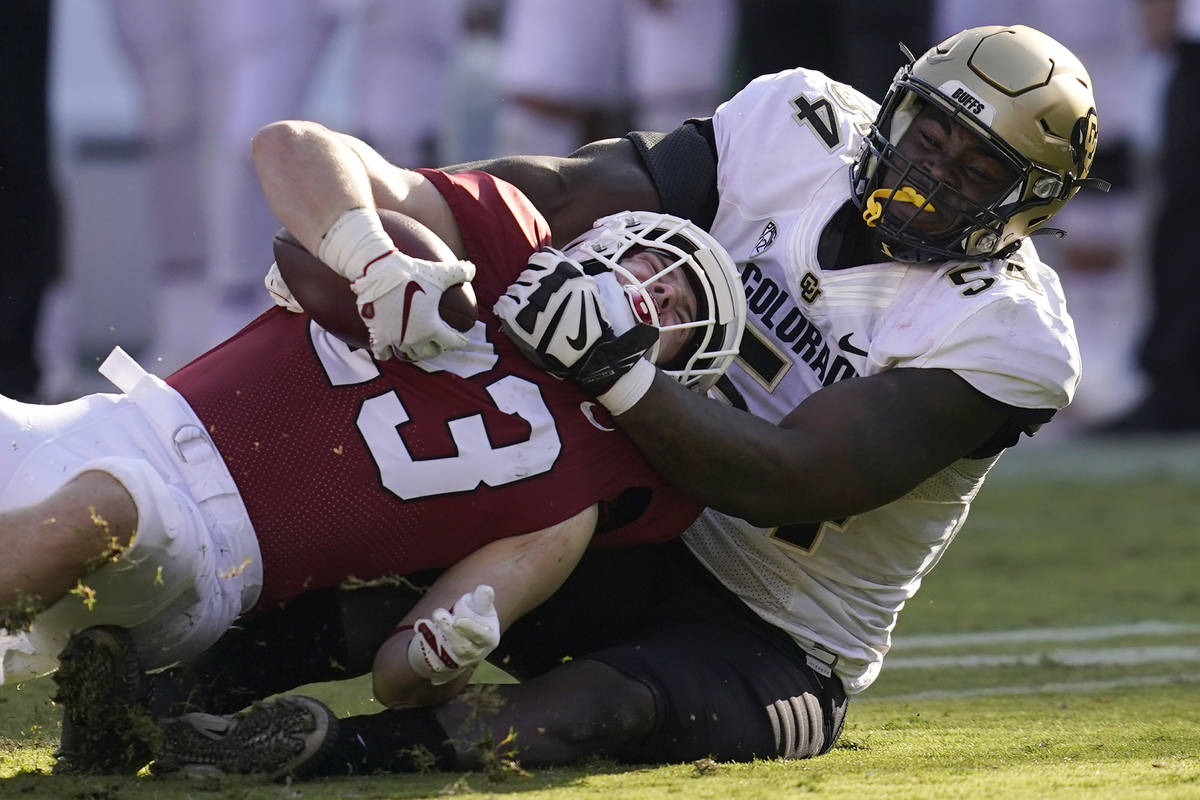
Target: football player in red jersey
point(284, 461)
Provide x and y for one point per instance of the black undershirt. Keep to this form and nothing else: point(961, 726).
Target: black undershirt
point(847, 242)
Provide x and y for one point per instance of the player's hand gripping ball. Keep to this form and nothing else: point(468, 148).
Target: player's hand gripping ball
point(328, 298)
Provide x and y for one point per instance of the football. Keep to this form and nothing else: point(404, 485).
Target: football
point(328, 298)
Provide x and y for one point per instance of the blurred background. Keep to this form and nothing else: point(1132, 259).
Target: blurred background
point(132, 215)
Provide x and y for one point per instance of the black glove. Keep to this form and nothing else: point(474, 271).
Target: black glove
point(553, 313)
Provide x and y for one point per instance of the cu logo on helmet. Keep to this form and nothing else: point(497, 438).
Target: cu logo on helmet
point(1083, 140)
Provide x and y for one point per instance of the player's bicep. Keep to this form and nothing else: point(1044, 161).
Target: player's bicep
point(572, 192)
point(600, 178)
point(881, 436)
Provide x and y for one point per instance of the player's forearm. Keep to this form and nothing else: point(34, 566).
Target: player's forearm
point(310, 177)
point(727, 459)
point(396, 685)
point(848, 448)
point(540, 178)
point(523, 571)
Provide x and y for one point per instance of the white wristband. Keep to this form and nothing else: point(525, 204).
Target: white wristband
point(629, 388)
point(354, 241)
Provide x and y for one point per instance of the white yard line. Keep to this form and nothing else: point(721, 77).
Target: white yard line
point(1082, 460)
point(1104, 656)
point(1058, 656)
point(1045, 688)
point(1030, 635)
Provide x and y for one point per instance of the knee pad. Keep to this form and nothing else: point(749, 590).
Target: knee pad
point(163, 587)
point(168, 558)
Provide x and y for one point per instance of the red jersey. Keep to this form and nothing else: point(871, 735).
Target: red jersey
point(352, 467)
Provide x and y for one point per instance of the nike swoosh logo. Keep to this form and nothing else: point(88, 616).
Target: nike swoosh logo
point(410, 291)
point(590, 412)
point(844, 343)
point(580, 339)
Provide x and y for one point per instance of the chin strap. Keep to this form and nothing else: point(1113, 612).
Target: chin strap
point(1057, 233)
point(905, 194)
point(1092, 183)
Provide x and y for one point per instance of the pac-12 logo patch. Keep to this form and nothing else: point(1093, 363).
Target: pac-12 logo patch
point(767, 237)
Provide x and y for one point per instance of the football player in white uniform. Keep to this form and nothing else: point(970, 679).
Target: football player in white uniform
point(902, 332)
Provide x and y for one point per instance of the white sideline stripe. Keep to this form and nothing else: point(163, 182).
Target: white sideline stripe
point(1106, 656)
point(1047, 688)
point(1096, 460)
point(1146, 628)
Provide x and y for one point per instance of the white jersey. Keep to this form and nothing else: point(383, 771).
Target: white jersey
point(785, 144)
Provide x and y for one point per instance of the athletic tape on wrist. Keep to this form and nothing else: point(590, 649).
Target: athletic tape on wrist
point(629, 388)
point(354, 241)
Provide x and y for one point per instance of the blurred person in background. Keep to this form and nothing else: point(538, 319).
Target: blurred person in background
point(212, 73)
point(165, 45)
point(473, 97)
point(28, 201)
point(845, 39)
point(1101, 262)
point(572, 71)
point(1170, 347)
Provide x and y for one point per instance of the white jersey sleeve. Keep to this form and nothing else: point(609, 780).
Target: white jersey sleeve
point(1002, 326)
point(796, 120)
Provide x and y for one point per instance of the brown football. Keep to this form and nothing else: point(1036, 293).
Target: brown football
point(328, 298)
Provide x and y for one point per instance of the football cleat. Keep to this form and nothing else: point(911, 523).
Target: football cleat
point(285, 736)
point(102, 690)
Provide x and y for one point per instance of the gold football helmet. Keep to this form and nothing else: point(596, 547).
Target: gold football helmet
point(1020, 92)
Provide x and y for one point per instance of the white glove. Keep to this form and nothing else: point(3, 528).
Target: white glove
point(453, 641)
point(398, 299)
point(281, 295)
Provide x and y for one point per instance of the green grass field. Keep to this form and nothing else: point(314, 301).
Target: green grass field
point(1055, 653)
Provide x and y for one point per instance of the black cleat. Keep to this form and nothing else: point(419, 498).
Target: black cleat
point(288, 735)
point(102, 691)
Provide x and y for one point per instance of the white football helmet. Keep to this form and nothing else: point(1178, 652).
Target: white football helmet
point(721, 300)
point(1026, 97)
